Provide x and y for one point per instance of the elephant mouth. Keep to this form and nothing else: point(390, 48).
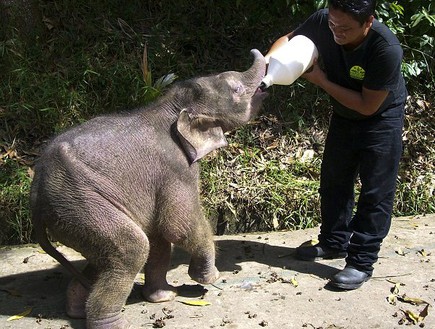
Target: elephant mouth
point(260, 90)
point(257, 101)
point(260, 94)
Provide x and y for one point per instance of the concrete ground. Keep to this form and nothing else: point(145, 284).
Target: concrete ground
point(261, 285)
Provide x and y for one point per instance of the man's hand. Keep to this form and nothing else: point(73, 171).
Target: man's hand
point(315, 74)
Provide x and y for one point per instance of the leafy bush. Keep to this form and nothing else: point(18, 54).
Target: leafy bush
point(414, 24)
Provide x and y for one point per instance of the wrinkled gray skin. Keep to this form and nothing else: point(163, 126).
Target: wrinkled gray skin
point(121, 189)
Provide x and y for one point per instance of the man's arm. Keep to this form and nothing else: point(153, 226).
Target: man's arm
point(366, 102)
point(277, 44)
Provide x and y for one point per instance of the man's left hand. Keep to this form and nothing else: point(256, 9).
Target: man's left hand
point(315, 74)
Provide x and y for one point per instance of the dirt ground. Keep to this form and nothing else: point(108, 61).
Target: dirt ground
point(261, 285)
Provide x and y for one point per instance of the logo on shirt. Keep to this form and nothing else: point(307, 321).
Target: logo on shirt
point(357, 72)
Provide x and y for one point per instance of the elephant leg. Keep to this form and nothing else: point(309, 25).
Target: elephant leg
point(118, 254)
point(202, 267)
point(184, 225)
point(156, 288)
point(77, 295)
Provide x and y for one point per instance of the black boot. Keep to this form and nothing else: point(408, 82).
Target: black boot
point(312, 253)
point(349, 278)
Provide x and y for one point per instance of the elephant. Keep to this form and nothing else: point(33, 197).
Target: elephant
point(122, 188)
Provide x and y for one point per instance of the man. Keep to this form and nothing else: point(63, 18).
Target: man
point(362, 61)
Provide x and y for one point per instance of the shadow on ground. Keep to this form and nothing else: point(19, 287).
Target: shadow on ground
point(44, 290)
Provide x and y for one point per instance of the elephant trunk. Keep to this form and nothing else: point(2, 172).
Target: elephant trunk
point(256, 72)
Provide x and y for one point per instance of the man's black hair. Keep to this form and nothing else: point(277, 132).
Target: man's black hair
point(361, 10)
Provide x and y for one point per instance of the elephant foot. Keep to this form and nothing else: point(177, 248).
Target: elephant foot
point(154, 295)
point(76, 296)
point(202, 276)
point(117, 321)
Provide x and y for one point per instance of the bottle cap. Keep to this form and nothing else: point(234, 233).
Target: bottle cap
point(267, 81)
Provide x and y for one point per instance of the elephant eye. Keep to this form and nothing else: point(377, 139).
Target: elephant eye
point(239, 89)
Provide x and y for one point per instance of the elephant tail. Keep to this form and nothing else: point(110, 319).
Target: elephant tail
point(42, 237)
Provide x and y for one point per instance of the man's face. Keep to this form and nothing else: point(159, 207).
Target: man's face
point(346, 30)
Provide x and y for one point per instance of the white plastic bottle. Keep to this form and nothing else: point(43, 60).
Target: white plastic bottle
point(290, 61)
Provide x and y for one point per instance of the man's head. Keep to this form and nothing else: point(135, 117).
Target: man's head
point(350, 20)
point(360, 10)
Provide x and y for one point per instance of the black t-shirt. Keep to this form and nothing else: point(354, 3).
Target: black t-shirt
point(375, 64)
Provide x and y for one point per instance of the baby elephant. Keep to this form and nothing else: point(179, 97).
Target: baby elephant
point(120, 189)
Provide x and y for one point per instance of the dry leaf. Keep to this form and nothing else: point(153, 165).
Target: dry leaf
point(395, 289)
point(400, 252)
point(413, 301)
point(424, 313)
point(392, 299)
point(310, 243)
point(21, 315)
point(198, 302)
point(140, 277)
point(416, 318)
point(411, 316)
point(423, 253)
point(30, 172)
point(275, 222)
point(294, 282)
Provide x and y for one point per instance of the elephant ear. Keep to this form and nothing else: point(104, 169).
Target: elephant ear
point(199, 135)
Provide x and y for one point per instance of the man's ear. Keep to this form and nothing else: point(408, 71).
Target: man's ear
point(199, 135)
point(369, 22)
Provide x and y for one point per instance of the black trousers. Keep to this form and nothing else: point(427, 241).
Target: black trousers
point(370, 148)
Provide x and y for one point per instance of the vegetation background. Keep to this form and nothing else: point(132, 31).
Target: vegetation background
point(63, 62)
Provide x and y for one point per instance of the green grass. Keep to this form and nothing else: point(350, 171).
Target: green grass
point(15, 226)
